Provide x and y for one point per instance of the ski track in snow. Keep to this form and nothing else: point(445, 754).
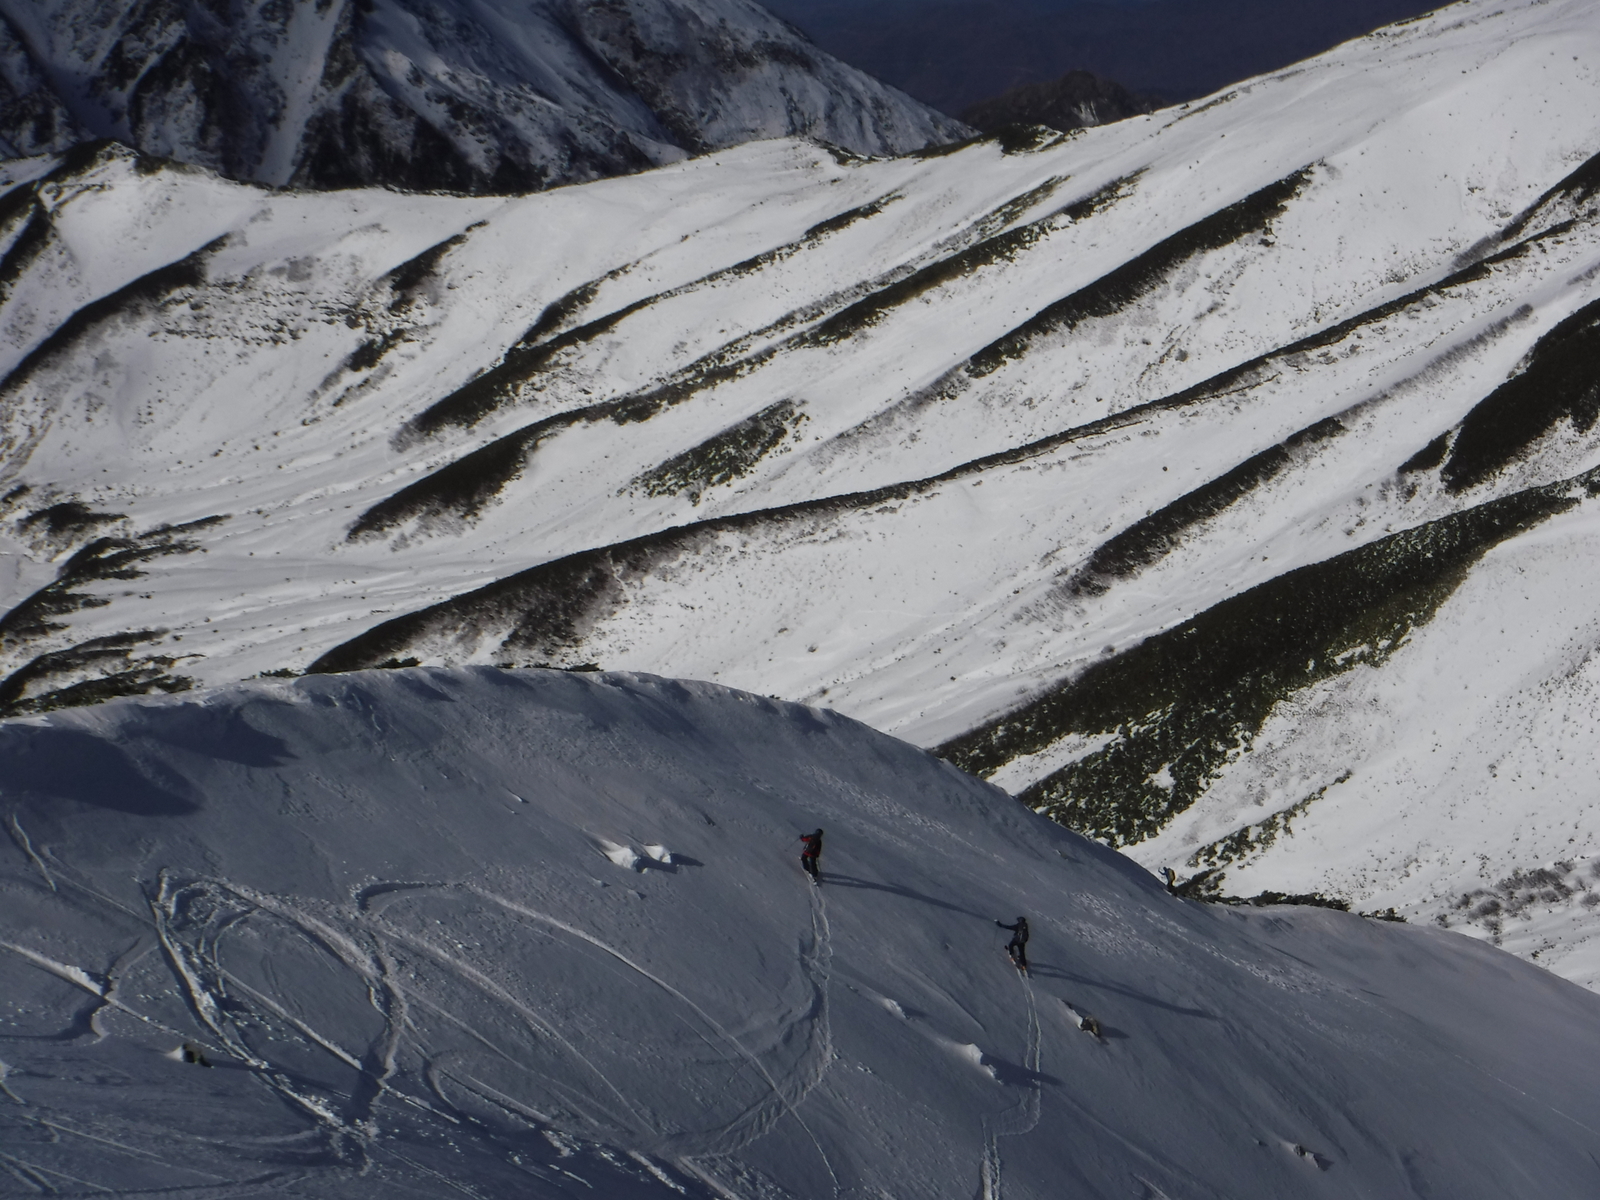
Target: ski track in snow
point(26, 845)
point(1021, 1119)
point(784, 1101)
point(361, 944)
point(364, 942)
point(5, 1070)
point(401, 980)
point(823, 1054)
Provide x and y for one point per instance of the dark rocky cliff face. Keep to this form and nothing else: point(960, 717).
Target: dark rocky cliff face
point(1076, 100)
point(463, 95)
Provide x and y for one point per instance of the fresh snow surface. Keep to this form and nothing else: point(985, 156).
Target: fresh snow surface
point(939, 441)
point(385, 908)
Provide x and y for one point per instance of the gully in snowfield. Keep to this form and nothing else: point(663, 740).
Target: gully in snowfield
point(1017, 947)
point(812, 851)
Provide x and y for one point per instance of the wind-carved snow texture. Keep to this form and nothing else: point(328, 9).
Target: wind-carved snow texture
point(354, 937)
point(465, 95)
point(1214, 480)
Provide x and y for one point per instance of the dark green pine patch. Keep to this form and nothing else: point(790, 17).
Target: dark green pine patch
point(1118, 290)
point(1560, 379)
point(464, 488)
point(1194, 697)
point(91, 672)
point(1002, 247)
point(728, 456)
point(101, 668)
point(1149, 539)
point(1578, 188)
point(541, 347)
point(145, 294)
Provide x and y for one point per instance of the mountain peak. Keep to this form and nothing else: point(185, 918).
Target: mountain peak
point(461, 95)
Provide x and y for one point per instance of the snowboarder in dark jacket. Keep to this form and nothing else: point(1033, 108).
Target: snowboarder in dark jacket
point(1018, 946)
point(812, 851)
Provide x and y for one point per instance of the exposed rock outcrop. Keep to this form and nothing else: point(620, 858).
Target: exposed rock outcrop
point(488, 96)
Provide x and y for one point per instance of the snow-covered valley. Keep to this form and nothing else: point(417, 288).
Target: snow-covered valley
point(529, 933)
point(1221, 480)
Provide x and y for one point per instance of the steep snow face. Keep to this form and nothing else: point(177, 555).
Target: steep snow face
point(467, 95)
point(536, 934)
point(1218, 480)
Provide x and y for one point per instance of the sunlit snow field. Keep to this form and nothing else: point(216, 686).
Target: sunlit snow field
point(968, 446)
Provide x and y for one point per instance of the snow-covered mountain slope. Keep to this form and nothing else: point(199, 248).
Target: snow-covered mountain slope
point(1220, 480)
point(465, 95)
point(532, 934)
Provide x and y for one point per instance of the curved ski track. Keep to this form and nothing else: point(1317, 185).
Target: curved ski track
point(191, 921)
point(1020, 1119)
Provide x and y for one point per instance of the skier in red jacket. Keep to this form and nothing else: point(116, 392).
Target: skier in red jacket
point(812, 851)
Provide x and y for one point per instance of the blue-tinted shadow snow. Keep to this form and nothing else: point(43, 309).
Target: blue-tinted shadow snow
point(45, 765)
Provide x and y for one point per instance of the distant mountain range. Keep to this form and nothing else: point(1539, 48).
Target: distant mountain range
point(953, 54)
point(467, 95)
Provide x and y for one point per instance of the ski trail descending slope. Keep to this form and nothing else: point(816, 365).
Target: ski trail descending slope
point(817, 962)
point(785, 1099)
point(408, 985)
point(1024, 1118)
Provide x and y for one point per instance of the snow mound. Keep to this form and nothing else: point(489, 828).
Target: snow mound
point(408, 982)
point(624, 856)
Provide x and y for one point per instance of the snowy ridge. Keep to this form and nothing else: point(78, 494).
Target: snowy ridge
point(1160, 473)
point(465, 95)
point(381, 908)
